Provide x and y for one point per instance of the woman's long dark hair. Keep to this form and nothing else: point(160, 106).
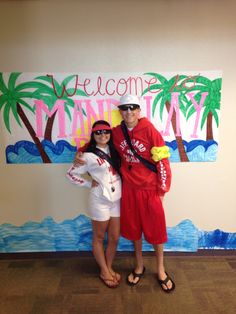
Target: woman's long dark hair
point(113, 152)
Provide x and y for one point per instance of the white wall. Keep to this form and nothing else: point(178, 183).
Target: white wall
point(123, 36)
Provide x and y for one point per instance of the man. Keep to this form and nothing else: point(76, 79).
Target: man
point(143, 189)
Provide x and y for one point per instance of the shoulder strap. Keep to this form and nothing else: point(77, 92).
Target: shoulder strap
point(103, 155)
point(146, 162)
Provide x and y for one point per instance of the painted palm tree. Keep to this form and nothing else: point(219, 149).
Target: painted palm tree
point(49, 91)
point(211, 104)
point(164, 89)
point(13, 100)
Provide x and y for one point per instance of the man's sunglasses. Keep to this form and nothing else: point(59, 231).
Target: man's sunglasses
point(126, 107)
point(100, 132)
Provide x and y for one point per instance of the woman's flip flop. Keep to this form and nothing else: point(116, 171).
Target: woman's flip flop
point(106, 282)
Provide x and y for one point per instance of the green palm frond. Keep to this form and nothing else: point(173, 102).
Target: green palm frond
point(204, 116)
point(44, 78)
point(79, 92)
point(155, 102)
point(217, 105)
point(26, 105)
point(212, 101)
point(68, 79)
point(24, 95)
point(203, 80)
point(160, 77)
point(165, 89)
point(3, 100)
point(53, 89)
point(191, 110)
point(6, 117)
point(58, 87)
point(175, 83)
point(156, 87)
point(13, 95)
point(49, 95)
point(29, 85)
point(200, 88)
point(48, 100)
point(216, 117)
point(216, 84)
point(12, 80)
point(166, 98)
point(3, 87)
point(48, 89)
point(52, 82)
point(14, 111)
point(70, 103)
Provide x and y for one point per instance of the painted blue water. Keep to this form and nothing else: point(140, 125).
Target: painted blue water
point(24, 152)
point(76, 235)
point(216, 239)
point(197, 150)
point(62, 152)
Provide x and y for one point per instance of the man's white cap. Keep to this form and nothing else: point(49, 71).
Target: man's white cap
point(129, 100)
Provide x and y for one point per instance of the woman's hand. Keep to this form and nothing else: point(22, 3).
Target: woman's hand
point(79, 161)
point(94, 183)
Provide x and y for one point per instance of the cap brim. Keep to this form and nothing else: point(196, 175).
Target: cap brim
point(121, 106)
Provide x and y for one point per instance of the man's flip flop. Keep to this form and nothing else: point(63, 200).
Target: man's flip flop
point(164, 282)
point(135, 275)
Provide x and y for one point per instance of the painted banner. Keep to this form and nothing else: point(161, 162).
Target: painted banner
point(46, 117)
point(76, 235)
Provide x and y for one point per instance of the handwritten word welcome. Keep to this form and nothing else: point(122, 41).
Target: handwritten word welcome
point(110, 86)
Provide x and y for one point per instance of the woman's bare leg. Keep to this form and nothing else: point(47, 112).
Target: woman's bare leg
point(99, 230)
point(113, 238)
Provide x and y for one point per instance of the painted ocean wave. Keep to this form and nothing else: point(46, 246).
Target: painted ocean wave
point(63, 152)
point(197, 150)
point(26, 152)
point(216, 239)
point(76, 235)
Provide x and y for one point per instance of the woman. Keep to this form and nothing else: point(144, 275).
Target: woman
point(102, 163)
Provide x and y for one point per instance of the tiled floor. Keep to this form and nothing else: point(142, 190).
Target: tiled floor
point(204, 284)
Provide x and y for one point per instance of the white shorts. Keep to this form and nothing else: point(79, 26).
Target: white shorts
point(101, 209)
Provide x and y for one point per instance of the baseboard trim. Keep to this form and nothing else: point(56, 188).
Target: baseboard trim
point(79, 254)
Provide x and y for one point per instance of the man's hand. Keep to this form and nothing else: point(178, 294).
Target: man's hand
point(161, 198)
point(79, 161)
